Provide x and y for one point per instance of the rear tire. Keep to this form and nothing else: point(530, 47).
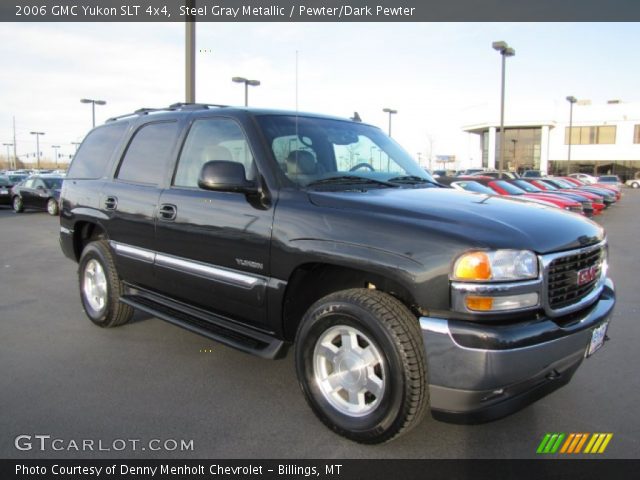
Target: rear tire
point(635, 185)
point(361, 364)
point(52, 207)
point(101, 287)
point(18, 206)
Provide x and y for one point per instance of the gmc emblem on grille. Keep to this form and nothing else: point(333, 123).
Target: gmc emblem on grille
point(587, 275)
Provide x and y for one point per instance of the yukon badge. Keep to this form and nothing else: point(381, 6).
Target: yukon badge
point(249, 264)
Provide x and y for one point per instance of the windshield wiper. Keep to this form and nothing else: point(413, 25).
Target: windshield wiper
point(412, 180)
point(350, 180)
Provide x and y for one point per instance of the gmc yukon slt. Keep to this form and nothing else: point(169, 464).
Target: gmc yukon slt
point(262, 229)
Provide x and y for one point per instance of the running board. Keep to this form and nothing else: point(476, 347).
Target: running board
point(206, 324)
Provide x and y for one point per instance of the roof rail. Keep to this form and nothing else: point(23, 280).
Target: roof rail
point(170, 108)
point(194, 106)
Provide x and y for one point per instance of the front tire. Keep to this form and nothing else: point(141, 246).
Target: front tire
point(361, 364)
point(635, 185)
point(18, 206)
point(101, 287)
point(52, 207)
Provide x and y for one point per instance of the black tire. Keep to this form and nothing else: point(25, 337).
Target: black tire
point(112, 313)
point(18, 206)
point(52, 207)
point(395, 334)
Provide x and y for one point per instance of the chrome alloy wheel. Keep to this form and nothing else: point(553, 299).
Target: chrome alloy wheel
point(349, 370)
point(94, 285)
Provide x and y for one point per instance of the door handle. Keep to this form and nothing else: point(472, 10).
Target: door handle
point(168, 211)
point(111, 203)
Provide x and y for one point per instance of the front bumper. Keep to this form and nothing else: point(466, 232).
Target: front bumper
point(480, 372)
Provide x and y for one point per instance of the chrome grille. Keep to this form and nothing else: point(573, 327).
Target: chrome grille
point(562, 277)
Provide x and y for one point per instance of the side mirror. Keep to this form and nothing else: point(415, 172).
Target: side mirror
point(225, 176)
point(39, 187)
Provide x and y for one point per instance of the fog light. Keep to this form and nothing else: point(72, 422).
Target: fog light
point(497, 304)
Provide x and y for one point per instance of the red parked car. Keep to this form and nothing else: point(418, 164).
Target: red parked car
point(503, 187)
point(579, 183)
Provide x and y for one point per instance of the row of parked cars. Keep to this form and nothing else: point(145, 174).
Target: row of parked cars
point(33, 191)
point(569, 193)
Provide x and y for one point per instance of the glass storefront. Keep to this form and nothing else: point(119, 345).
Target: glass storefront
point(624, 169)
point(521, 152)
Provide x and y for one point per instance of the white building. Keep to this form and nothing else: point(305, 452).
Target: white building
point(605, 139)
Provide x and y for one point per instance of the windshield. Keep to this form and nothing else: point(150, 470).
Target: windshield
point(474, 186)
point(548, 185)
point(510, 189)
point(313, 151)
point(16, 178)
point(4, 182)
point(526, 186)
point(563, 183)
point(53, 183)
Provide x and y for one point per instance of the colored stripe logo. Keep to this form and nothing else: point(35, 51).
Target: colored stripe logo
point(574, 443)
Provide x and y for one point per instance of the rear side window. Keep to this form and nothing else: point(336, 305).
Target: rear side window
point(148, 153)
point(96, 150)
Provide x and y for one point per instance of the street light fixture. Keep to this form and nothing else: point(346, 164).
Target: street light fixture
point(571, 101)
point(247, 83)
point(9, 163)
point(55, 149)
point(37, 134)
point(505, 51)
point(93, 107)
point(390, 111)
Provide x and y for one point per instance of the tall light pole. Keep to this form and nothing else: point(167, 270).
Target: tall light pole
point(190, 55)
point(93, 107)
point(571, 101)
point(77, 144)
point(37, 134)
point(247, 83)
point(390, 111)
point(9, 163)
point(55, 149)
point(505, 51)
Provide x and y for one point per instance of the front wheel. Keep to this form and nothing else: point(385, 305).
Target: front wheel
point(101, 287)
point(635, 185)
point(18, 206)
point(52, 207)
point(361, 364)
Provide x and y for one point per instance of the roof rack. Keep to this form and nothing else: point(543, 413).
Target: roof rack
point(171, 108)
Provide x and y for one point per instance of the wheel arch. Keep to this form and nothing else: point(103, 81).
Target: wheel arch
point(310, 282)
point(85, 232)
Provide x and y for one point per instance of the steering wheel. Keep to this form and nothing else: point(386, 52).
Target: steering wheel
point(362, 165)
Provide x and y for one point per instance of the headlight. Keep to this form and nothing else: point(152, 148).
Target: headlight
point(496, 266)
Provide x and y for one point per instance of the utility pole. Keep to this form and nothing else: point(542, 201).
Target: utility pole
point(55, 149)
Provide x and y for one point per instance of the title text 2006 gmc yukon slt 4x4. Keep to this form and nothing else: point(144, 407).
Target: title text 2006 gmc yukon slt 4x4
point(261, 229)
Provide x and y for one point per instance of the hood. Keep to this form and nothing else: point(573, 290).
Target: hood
point(478, 220)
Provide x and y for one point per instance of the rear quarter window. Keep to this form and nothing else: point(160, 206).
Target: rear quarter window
point(96, 151)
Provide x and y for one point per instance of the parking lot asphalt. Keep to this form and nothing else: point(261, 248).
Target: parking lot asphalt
point(62, 376)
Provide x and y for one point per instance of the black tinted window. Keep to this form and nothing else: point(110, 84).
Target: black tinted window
point(96, 150)
point(148, 153)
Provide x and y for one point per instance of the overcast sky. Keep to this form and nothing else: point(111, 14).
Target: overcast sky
point(439, 77)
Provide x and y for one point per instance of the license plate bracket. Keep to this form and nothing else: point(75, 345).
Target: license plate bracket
point(598, 336)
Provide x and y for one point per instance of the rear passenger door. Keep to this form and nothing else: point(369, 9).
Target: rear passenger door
point(213, 247)
point(130, 200)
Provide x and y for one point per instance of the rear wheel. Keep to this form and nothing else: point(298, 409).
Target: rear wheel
point(18, 206)
point(361, 364)
point(52, 207)
point(101, 287)
point(635, 185)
